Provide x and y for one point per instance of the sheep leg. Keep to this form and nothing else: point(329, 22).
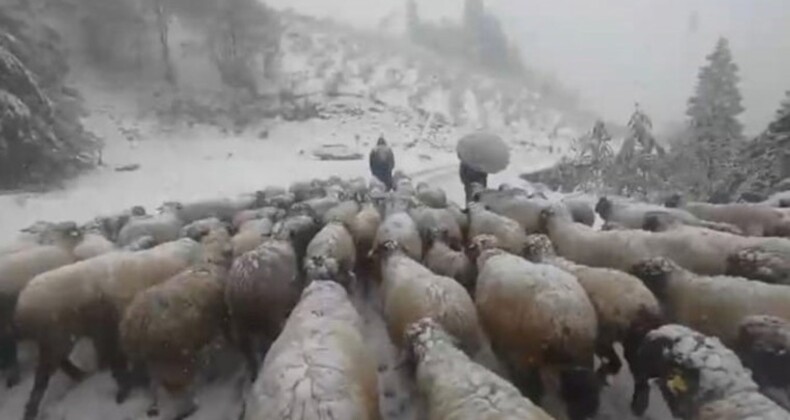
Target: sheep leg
point(640, 399)
point(69, 368)
point(245, 343)
point(529, 383)
point(8, 359)
point(153, 409)
point(610, 361)
point(108, 345)
point(44, 372)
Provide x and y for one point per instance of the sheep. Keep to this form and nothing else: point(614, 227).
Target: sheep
point(539, 317)
point(93, 243)
point(700, 250)
point(16, 271)
point(87, 299)
point(400, 228)
point(363, 229)
point(461, 217)
point(432, 197)
point(39, 233)
point(763, 344)
point(167, 325)
point(443, 260)
point(274, 214)
point(642, 216)
point(343, 212)
point(274, 198)
point(524, 211)
point(700, 378)
point(715, 305)
point(305, 190)
point(626, 309)
point(428, 218)
point(581, 211)
point(250, 235)
point(752, 219)
point(263, 286)
point(315, 207)
point(163, 227)
point(320, 366)
point(456, 387)
point(509, 233)
point(223, 209)
point(411, 292)
point(331, 255)
point(760, 263)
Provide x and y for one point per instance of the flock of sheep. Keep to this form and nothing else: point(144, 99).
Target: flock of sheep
point(271, 273)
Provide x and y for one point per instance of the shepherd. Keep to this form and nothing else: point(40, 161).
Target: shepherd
point(382, 162)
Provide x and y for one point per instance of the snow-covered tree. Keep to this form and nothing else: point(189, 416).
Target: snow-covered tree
point(714, 110)
point(782, 122)
point(636, 168)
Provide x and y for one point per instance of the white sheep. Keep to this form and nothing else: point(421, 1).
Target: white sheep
point(700, 378)
point(319, 367)
point(364, 228)
point(443, 260)
point(251, 234)
point(714, 305)
point(428, 218)
point(16, 271)
point(163, 227)
point(410, 292)
point(457, 388)
point(431, 197)
point(752, 219)
point(400, 228)
point(331, 255)
point(87, 299)
point(633, 215)
point(539, 317)
point(509, 233)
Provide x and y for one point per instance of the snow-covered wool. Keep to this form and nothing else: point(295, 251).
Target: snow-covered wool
point(432, 197)
point(525, 211)
point(222, 208)
point(400, 228)
point(702, 379)
point(635, 215)
point(251, 234)
point(274, 215)
point(363, 228)
point(163, 227)
point(428, 218)
point(342, 213)
point(509, 233)
point(752, 219)
point(455, 387)
point(331, 255)
point(538, 316)
point(411, 292)
point(319, 367)
point(443, 260)
point(763, 345)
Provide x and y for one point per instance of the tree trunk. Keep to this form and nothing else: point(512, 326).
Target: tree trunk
point(163, 26)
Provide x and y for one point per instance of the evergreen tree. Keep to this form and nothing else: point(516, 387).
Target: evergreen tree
point(782, 122)
point(636, 169)
point(714, 111)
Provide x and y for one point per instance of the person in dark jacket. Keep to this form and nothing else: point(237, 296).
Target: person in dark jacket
point(469, 176)
point(382, 162)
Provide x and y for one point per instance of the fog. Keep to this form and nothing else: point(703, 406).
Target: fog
point(617, 52)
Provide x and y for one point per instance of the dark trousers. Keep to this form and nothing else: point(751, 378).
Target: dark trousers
point(470, 176)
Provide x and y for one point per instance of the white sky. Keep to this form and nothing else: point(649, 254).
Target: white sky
point(617, 52)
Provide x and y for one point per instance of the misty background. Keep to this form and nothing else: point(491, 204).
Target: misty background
point(618, 52)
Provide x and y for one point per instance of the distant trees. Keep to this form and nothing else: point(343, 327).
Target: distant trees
point(713, 112)
point(636, 169)
point(479, 38)
point(782, 122)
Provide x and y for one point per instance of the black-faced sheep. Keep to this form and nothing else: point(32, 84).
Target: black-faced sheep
point(263, 286)
point(700, 378)
point(16, 271)
point(319, 367)
point(443, 260)
point(411, 292)
point(455, 387)
point(87, 299)
point(331, 255)
point(763, 345)
point(752, 219)
point(715, 305)
point(626, 309)
point(166, 326)
point(538, 316)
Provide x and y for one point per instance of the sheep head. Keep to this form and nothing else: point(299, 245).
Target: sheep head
point(581, 387)
point(66, 232)
point(538, 247)
point(424, 334)
point(437, 235)
point(655, 274)
point(674, 201)
point(320, 267)
point(385, 249)
point(481, 243)
point(604, 208)
point(757, 264)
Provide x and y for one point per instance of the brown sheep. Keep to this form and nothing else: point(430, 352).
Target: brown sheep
point(443, 260)
point(251, 235)
point(428, 218)
point(166, 326)
point(401, 229)
point(16, 271)
point(363, 228)
point(509, 233)
point(411, 292)
point(320, 366)
point(626, 309)
point(763, 345)
point(264, 285)
point(538, 316)
point(87, 299)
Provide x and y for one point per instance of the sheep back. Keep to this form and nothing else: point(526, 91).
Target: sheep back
point(164, 227)
point(332, 242)
point(509, 233)
point(319, 366)
point(535, 313)
point(251, 235)
point(400, 228)
point(344, 213)
point(445, 261)
point(364, 227)
point(429, 219)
